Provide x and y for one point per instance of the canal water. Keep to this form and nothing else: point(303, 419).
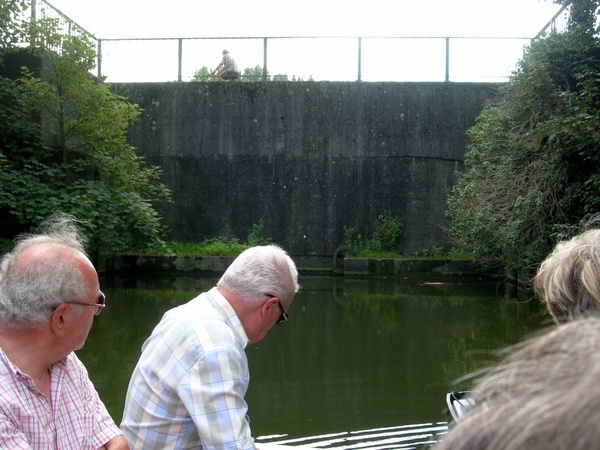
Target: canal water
point(360, 362)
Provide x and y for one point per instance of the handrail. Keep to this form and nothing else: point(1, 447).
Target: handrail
point(183, 57)
point(41, 9)
point(364, 59)
point(552, 22)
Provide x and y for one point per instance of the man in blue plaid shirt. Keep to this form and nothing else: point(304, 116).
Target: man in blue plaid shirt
point(187, 390)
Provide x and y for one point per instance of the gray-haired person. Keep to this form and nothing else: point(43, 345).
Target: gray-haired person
point(227, 68)
point(187, 390)
point(49, 295)
point(544, 396)
point(568, 281)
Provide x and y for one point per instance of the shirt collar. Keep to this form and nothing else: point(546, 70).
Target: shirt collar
point(228, 314)
point(57, 367)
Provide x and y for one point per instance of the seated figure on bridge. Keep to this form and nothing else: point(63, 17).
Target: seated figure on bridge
point(227, 68)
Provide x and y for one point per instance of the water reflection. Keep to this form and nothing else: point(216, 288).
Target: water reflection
point(356, 354)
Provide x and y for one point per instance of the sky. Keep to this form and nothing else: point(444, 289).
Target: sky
point(241, 18)
point(114, 19)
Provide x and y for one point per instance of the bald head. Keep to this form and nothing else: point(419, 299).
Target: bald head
point(42, 272)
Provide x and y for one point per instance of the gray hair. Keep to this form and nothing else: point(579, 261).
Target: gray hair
point(545, 395)
point(262, 270)
point(30, 289)
point(568, 281)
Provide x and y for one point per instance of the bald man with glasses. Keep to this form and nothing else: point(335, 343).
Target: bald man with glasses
point(49, 295)
point(187, 390)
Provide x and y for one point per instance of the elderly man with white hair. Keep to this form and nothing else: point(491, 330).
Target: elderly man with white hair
point(187, 390)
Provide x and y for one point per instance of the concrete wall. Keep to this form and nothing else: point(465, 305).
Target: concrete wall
point(306, 157)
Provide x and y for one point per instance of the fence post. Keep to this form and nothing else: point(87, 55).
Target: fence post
point(99, 58)
point(447, 59)
point(180, 59)
point(359, 58)
point(32, 32)
point(264, 74)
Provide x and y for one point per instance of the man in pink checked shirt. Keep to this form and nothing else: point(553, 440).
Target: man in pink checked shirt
point(49, 295)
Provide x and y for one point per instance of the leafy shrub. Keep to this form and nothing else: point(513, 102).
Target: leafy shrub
point(220, 246)
point(255, 237)
point(352, 239)
point(533, 163)
point(81, 164)
point(385, 236)
point(387, 231)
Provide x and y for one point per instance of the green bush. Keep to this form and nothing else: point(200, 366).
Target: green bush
point(220, 246)
point(387, 231)
point(81, 164)
point(352, 239)
point(255, 237)
point(383, 242)
point(533, 162)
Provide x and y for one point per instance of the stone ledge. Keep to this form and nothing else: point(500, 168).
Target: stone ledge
point(307, 265)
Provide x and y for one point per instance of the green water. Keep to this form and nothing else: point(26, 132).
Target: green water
point(354, 355)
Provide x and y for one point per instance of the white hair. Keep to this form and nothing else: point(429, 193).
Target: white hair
point(545, 395)
point(30, 290)
point(260, 271)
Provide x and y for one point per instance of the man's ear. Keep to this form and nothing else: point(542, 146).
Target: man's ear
point(266, 306)
point(58, 320)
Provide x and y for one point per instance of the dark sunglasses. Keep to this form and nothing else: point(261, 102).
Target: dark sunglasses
point(284, 315)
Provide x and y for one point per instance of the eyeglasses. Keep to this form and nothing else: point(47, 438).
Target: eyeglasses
point(99, 305)
point(284, 315)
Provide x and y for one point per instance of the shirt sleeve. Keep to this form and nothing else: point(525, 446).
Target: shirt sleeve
point(214, 397)
point(10, 436)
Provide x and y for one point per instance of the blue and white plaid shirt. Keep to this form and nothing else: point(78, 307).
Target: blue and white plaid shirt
point(187, 390)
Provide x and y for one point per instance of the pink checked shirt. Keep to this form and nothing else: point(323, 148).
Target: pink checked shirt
point(74, 418)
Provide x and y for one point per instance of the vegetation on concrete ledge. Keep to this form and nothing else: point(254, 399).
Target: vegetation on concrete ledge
point(383, 241)
point(386, 229)
point(218, 246)
point(233, 247)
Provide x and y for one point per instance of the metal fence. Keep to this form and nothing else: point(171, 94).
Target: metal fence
point(316, 58)
point(41, 10)
point(558, 23)
point(366, 58)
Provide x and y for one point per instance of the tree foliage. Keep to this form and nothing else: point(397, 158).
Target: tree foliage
point(64, 148)
point(12, 29)
point(385, 235)
point(249, 74)
point(254, 74)
point(203, 74)
point(533, 165)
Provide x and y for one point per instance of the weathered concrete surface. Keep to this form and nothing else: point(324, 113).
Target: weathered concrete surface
point(308, 158)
